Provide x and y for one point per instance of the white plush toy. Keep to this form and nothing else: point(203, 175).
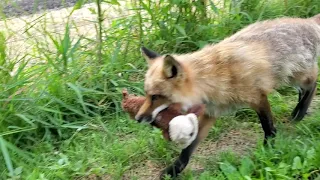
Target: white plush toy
point(176, 125)
point(183, 129)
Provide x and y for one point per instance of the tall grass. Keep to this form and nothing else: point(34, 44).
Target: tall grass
point(69, 83)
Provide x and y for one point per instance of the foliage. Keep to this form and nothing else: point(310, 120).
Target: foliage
point(60, 112)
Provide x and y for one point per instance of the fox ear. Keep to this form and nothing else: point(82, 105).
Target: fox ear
point(171, 67)
point(149, 55)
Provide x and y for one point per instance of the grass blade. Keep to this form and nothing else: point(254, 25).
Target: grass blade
point(6, 156)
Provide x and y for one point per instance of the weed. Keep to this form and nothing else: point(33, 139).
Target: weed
point(60, 113)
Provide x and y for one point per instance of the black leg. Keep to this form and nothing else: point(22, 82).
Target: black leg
point(179, 165)
point(205, 124)
point(301, 93)
point(302, 107)
point(267, 124)
point(265, 116)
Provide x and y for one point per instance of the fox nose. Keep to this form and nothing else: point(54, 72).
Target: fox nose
point(144, 118)
point(137, 117)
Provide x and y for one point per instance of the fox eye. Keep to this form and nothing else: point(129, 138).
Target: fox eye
point(156, 97)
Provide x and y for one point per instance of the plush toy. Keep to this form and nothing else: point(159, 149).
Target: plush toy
point(183, 129)
point(176, 125)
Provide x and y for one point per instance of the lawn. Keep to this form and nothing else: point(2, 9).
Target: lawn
point(60, 95)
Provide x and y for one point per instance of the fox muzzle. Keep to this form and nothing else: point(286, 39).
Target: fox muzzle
point(144, 118)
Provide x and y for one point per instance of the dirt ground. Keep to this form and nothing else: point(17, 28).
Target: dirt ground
point(23, 32)
point(239, 141)
point(27, 7)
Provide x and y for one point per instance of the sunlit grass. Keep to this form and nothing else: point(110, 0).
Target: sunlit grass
point(60, 114)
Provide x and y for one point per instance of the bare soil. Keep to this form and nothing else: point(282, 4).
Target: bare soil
point(14, 8)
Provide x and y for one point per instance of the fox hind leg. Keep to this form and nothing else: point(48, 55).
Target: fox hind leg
point(308, 88)
point(301, 94)
point(264, 113)
point(305, 98)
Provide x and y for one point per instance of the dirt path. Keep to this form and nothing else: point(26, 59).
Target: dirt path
point(15, 8)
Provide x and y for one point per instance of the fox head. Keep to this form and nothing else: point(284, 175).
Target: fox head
point(166, 82)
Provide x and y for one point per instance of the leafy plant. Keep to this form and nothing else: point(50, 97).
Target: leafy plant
point(60, 113)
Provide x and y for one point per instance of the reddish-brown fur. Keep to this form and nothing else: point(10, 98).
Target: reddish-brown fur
point(241, 70)
point(131, 104)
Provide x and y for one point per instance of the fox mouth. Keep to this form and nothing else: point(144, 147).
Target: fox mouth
point(145, 119)
point(152, 117)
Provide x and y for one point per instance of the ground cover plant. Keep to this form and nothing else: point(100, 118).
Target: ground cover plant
point(60, 114)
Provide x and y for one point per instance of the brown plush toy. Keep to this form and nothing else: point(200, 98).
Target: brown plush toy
point(132, 103)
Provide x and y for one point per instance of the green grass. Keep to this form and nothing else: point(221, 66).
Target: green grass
point(61, 118)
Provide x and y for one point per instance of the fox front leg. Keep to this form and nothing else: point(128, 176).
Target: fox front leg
point(205, 124)
point(179, 165)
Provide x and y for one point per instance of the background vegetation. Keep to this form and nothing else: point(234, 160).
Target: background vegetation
point(60, 115)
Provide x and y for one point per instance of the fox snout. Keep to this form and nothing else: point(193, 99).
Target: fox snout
point(144, 118)
point(149, 117)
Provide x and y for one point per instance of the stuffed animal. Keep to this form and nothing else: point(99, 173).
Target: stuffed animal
point(176, 125)
point(183, 129)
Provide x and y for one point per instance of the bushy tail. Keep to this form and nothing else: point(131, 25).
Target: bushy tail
point(316, 18)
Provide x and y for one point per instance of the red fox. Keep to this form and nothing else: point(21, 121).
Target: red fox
point(237, 72)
